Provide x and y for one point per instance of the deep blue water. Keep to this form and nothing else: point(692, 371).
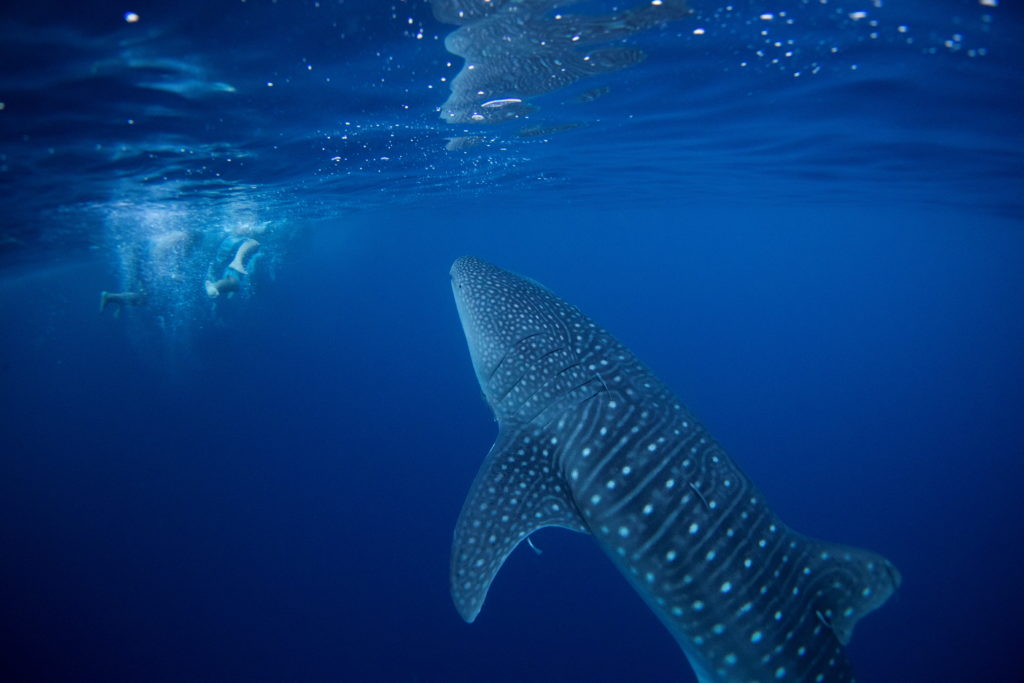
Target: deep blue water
point(820, 252)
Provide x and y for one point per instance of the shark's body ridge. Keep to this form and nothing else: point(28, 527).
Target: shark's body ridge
point(590, 440)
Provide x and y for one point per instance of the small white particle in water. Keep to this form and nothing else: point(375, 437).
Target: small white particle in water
point(698, 31)
point(726, 587)
point(755, 637)
point(670, 555)
point(131, 17)
point(694, 528)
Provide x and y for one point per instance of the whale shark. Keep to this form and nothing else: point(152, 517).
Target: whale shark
point(590, 440)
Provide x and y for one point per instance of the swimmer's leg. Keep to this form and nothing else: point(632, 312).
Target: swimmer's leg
point(121, 299)
point(244, 251)
point(225, 286)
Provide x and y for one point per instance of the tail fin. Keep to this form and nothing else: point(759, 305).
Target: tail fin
point(849, 583)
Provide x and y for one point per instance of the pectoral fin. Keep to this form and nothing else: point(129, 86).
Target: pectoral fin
point(514, 494)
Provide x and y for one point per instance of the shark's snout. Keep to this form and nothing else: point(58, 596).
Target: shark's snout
point(461, 273)
point(494, 309)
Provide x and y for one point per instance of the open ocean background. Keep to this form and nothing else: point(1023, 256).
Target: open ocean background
point(806, 216)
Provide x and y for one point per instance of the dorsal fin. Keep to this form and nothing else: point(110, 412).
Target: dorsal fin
point(515, 493)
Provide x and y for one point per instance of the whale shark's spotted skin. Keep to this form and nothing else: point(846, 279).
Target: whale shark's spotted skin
point(590, 440)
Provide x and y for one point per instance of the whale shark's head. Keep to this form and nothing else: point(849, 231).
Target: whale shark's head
point(526, 343)
point(498, 312)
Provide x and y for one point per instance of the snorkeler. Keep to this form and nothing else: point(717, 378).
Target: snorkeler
point(121, 299)
point(231, 279)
